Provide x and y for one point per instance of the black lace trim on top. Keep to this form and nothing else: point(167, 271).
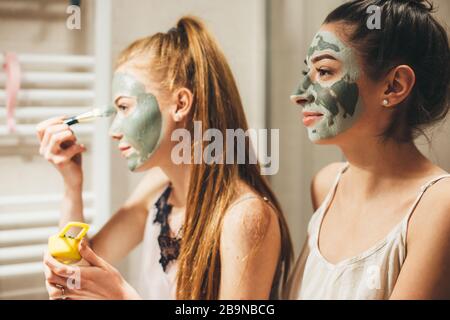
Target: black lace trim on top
point(169, 246)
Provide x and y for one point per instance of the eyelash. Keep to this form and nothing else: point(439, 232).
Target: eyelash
point(323, 72)
point(122, 107)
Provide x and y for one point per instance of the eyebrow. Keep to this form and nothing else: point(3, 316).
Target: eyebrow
point(322, 57)
point(116, 101)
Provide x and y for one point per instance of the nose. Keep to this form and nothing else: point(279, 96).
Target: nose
point(301, 100)
point(115, 135)
point(115, 131)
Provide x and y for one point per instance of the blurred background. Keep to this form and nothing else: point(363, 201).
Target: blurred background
point(67, 70)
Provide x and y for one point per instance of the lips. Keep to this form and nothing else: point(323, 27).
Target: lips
point(309, 118)
point(123, 149)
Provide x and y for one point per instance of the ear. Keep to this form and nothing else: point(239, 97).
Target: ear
point(399, 84)
point(183, 99)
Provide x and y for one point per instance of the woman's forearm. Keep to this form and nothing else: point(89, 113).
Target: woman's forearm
point(72, 206)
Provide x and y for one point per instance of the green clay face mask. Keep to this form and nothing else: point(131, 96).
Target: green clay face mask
point(142, 126)
point(338, 100)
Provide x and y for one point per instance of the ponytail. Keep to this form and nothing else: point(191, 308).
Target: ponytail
point(188, 56)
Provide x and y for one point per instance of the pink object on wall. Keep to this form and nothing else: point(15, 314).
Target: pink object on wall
point(13, 75)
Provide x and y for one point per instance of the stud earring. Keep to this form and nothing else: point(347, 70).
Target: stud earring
point(177, 117)
point(385, 102)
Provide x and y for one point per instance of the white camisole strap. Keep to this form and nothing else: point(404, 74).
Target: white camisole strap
point(406, 219)
point(315, 278)
point(248, 197)
point(335, 184)
point(316, 220)
point(423, 189)
point(326, 202)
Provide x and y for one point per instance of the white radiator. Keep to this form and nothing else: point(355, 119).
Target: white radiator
point(74, 84)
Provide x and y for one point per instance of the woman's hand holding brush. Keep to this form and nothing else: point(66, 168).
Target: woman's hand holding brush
point(58, 144)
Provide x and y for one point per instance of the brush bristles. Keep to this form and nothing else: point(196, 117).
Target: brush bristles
point(95, 113)
point(108, 112)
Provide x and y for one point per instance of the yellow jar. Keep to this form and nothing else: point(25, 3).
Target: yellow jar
point(64, 248)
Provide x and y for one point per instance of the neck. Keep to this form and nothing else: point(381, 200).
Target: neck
point(385, 161)
point(179, 176)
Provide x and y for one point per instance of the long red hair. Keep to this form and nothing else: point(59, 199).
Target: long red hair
point(187, 56)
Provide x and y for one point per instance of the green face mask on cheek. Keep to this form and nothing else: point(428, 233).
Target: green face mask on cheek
point(142, 127)
point(337, 100)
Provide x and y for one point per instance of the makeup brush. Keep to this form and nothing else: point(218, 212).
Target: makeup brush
point(90, 116)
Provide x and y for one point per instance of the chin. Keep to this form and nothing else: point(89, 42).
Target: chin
point(321, 141)
point(147, 165)
point(137, 169)
point(335, 140)
point(141, 168)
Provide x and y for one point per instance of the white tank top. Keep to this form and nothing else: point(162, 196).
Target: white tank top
point(154, 282)
point(369, 275)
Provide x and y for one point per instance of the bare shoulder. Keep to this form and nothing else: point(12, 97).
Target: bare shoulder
point(323, 181)
point(424, 274)
point(249, 220)
point(432, 214)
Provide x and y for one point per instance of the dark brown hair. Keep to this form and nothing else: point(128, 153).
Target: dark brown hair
point(409, 35)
